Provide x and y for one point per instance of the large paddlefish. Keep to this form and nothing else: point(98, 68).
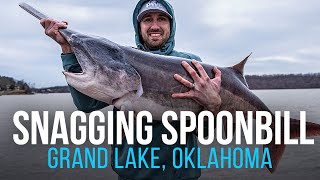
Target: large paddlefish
point(132, 79)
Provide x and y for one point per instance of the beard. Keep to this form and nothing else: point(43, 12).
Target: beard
point(155, 43)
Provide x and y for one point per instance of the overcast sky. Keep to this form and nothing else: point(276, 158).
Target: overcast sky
point(284, 36)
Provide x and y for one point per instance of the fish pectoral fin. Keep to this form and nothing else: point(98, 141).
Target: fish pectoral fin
point(124, 103)
point(125, 108)
point(133, 82)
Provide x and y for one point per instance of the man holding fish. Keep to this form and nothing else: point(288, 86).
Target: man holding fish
point(155, 27)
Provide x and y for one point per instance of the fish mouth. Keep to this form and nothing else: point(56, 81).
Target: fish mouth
point(73, 73)
point(77, 79)
point(76, 44)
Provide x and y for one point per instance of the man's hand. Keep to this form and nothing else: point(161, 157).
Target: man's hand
point(51, 27)
point(203, 90)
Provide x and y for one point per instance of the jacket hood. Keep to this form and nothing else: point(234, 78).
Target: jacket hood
point(168, 47)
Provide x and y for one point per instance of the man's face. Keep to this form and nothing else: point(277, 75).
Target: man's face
point(155, 30)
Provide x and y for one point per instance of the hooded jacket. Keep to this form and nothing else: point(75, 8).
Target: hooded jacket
point(87, 104)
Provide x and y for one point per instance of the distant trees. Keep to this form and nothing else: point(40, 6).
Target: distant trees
point(10, 84)
point(284, 81)
point(279, 81)
point(55, 89)
point(6, 82)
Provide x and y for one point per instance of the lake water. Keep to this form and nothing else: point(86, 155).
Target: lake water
point(30, 161)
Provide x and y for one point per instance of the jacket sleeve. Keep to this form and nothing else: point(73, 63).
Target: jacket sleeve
point(83, 102)
point(193, 56)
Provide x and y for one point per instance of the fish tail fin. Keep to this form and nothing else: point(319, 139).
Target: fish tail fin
point(312, 129)
point(276, 152)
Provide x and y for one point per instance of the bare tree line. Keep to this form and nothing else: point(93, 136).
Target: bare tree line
point(284, 81)
point(276, 81)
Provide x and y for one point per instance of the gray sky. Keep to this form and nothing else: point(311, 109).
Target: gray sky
point(283, 35)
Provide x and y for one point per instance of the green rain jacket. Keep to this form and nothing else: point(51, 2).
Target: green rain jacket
point(87, 104)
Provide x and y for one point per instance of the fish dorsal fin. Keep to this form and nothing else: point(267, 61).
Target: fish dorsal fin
point(240, 66)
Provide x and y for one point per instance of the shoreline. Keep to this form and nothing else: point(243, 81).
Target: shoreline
point(15, 92)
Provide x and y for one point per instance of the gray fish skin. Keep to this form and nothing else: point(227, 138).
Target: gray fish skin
point(122, 71)
point(106, 75)
point(131, 79)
